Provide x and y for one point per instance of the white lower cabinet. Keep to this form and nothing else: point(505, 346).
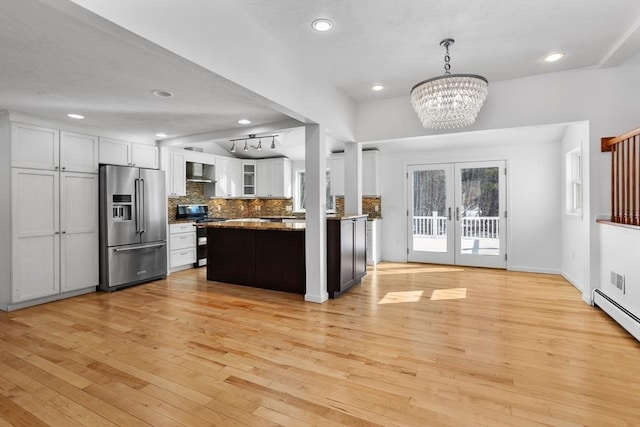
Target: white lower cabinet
point(36, 238)
point(374, 241)
point(79, 256)
point(182, 246)
point(54, 233)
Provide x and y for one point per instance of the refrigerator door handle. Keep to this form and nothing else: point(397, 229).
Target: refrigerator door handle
point(137, 204)
point(134, 248)
point(142, 212)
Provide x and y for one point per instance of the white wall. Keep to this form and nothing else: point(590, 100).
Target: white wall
point(533, 199)
point(620, 249)
point(606, 98)
point(574, 228)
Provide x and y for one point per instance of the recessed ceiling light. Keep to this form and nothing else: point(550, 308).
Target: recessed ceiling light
point(553, 57)
point(162, 93)
point(244, 121)
point(377, 88)
point(322, 25)
point(75, 116)
point(161, 135)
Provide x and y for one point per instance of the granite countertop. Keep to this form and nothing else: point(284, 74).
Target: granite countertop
point(281, 226)
point(341, 217)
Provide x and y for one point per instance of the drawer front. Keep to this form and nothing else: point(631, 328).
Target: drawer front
point(182, 257)
point(182, 227)
point(182, 241)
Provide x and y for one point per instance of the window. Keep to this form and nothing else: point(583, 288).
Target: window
point(299, 192)
point(574, 182)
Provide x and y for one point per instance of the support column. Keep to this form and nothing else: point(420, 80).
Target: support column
point(352, 178)
point(315, 213)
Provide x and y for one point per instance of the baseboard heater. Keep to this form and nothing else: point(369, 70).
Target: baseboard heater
point(624, 317)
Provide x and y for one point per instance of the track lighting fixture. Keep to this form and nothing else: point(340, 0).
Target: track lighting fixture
point(252, 137)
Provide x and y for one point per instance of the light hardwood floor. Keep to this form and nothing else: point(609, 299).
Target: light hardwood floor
point(414, 345)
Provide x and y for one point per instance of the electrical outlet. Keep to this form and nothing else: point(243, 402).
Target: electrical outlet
point(258, 207)
point(617, 280)
point(289, 208)
point(218, 206)
point(376, 208)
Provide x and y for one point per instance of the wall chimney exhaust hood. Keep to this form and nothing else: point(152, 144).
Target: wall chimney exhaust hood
point(195, 173)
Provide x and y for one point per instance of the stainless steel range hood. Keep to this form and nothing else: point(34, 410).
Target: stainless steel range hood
point(195, 173)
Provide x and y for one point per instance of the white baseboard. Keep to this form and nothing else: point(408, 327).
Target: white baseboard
point(626, 320)
point(318, 299)
point(50, 298)
point(573, 281)
point(526, 269)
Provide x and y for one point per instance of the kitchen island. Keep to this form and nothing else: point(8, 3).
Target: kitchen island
point(271, 255)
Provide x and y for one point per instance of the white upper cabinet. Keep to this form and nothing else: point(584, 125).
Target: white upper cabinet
point(248, 178)
point(234, 172)
point(78, 152)
point(34, 147)
point(228, 174)
point(176, 173)
point(273, 178)
point(370, 172)
point(116, 152)
point(336, 166)
point(263, 178)
point(144, 156)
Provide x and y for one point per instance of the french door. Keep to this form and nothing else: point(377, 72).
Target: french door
point(457, 214)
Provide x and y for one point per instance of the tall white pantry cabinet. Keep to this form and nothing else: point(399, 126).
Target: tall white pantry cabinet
point(48, 214)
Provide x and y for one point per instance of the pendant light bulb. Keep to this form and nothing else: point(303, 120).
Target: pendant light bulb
point(273, 142)
point(260, 144)
point(233, 147)
point(246, 148)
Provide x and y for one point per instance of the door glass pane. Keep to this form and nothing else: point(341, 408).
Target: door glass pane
point(479, 211)
point(429, 216)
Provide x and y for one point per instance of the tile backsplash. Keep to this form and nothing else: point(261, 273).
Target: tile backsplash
point(251, 208)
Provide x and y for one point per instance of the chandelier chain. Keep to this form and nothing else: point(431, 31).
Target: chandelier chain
point(447, 59)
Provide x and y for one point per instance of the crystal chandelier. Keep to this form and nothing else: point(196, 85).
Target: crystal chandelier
point(451, 100)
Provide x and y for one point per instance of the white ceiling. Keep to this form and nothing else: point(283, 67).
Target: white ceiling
point(58, 58)
point(397, 42)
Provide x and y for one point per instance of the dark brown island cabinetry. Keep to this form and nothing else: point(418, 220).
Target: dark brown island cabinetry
point(259, 257)
point(346, 253)
point(272, 255)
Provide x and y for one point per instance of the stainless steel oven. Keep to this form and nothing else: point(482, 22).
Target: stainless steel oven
point(201, 249)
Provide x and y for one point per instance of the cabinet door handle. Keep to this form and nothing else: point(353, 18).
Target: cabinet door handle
point(449, 215)
point(457, 214)
point(56, 232)
point(64, 232)
point(64, 168)
point(56, 168)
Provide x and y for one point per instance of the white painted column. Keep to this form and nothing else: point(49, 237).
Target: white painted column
point(352, 178)
point(315, 213)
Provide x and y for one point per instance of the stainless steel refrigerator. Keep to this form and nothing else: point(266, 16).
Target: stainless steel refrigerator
point(133, 230)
